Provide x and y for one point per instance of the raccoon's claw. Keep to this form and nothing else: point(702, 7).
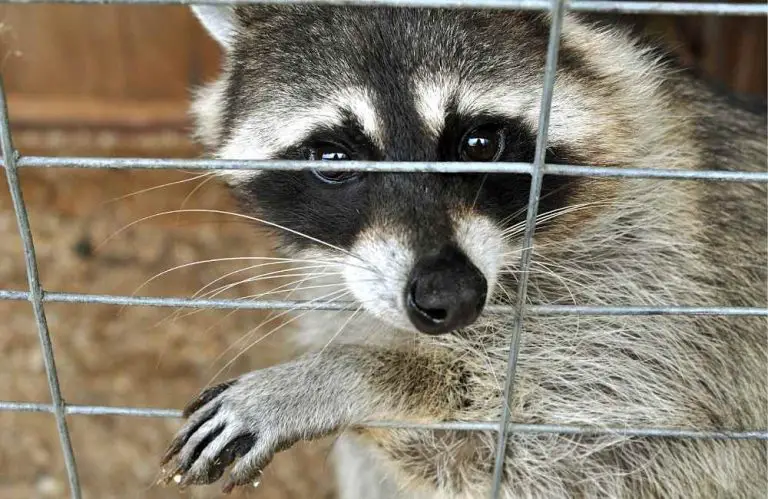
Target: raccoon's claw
point(247, 471)
point(220, 453)
point(189, 429)
point(211, 440)
point(242, 422)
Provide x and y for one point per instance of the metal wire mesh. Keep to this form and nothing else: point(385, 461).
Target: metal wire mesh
point(12, 162)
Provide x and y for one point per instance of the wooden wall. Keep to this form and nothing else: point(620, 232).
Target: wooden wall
point(116, 78)
point(731, 50)
point(111, 78)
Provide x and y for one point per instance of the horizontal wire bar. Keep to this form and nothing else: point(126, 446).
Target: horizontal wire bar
point(635, 310)
point(386, 166)
point(91, 410)
point(605, 6)
point(101, 410)
point(601, 171)
point(582, 430)
point(179, 302)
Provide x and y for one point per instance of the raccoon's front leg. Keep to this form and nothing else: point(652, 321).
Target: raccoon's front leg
point(266, 411)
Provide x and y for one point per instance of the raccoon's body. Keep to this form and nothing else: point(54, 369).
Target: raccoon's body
point(423, 253)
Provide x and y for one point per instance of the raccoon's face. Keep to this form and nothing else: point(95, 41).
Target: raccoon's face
point(418, 250)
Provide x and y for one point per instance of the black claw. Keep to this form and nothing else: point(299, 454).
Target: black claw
point(206, 396)
point(246, 477)
point(233, 450)
point(185, 465)
point(173, 449)
point(181, 439)
point(231, 483)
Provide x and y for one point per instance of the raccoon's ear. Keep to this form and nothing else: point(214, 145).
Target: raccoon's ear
point(218, 20)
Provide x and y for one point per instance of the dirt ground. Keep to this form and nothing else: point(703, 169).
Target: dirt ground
point(133, 356)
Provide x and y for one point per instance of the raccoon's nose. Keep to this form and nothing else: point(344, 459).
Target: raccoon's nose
point(445, 292)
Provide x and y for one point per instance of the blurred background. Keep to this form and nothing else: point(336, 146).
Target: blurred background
point(114, 81)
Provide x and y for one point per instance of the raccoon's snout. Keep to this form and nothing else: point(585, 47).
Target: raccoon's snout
point(445, 292)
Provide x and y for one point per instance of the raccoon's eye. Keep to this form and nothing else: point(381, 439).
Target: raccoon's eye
point(330, 152)
point(484, 143)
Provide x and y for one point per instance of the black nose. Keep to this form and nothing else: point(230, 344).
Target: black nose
point(445, 292)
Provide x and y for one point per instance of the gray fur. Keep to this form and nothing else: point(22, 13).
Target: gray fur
point(617, 242)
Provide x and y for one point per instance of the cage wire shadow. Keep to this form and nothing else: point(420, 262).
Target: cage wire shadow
point(12, 162)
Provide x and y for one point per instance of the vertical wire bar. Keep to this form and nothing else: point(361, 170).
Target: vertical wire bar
point(36, 294)
point(537, 174)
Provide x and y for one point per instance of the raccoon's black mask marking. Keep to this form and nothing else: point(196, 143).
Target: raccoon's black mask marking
point(417, 202)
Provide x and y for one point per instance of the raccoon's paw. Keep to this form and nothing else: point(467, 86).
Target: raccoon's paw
point(239, 420)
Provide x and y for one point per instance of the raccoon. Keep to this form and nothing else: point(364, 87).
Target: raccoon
point(424, 254)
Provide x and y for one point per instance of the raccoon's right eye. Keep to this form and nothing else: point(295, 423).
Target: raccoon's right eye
point(327, 152)
point(330, 152)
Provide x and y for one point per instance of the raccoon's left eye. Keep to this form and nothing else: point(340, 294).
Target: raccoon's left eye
point(484, 143)
point(330, 152)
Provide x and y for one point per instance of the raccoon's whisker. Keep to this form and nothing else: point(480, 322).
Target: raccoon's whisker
point(519, 212)
point(309, 275)
point(296, 287)
point(267, 320)
point(193, 191)
point(342, 294)
point(215, 293)
point(271, 261)
point(586, 244)
point(549, 215)
point(279, 289)
point(189, 196)
point(522, 210)
point(479, 190)
point(270, 318)
point(179, 312)
point(230, 274)
point(367, 264)
point(177, 315)
point(343, 326)
point(266, 277)
point(154, 188)
point(245, 217)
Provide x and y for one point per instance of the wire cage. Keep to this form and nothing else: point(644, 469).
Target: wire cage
point(38, 297)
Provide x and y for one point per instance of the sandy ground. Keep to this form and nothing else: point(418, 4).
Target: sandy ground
point(135, 356)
